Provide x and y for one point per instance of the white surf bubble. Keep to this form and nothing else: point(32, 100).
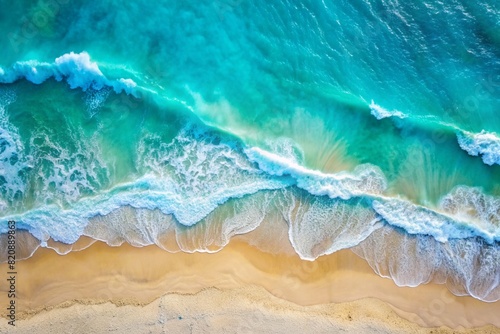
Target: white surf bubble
point(202, 167)
point(65, 171)
point(486, 144)
point(148, 192)
point(468, 266)
point(13, 162)
point(128, 85)
point(364, 180)
point(319, 225)
point(286, 148)
point(416, 219)
point(77, 69)
point(381, 113)
point(471, 204)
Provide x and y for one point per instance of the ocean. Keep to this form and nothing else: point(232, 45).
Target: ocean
point(364, 125)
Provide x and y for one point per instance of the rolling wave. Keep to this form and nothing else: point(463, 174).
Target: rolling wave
point(75, 68)
point(200, 189)
point(485, 144)
point(194, 168)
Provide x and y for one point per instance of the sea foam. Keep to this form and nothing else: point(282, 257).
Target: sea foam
point(200, 167)
point(467, 266)
point(189, 169)
point(486, 144)
point(364, 180)
point(13, 161)
point(66, 173)
point(77, 69)
point(415, 219)
point(236, 188)
point(381, 113)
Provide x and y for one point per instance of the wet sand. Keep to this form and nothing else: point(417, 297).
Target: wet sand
point(148, 289)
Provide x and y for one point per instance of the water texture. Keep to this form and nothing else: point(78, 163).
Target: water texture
point(369, 125)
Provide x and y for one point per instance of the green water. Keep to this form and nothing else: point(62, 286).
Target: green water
point(362, 115)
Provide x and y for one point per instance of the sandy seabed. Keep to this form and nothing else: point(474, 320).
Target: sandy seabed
point(239, 289)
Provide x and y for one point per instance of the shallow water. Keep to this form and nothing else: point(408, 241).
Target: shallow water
point(369, 124)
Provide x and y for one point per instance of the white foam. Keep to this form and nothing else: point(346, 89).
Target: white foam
point(381, 113)
point(188, 170)
point(319, 225)
point(486, 144)
point(65, 173)
point(286, 148)
point(13, 161)
point(128, 85)
point(415, 219)
point(468, 266)
point(202, 168)
point(472, 205)
point(443, 226)
point(365, 180)
point(94, 99)
point(197, 169)
point(77, 69)
point(148, 192)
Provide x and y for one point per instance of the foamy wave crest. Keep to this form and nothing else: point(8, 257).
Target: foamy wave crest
point(365, 179)
point(195, 167)
point(201, 167)
point(381, 113)
point(75, 68)
point(148, 192)
point(141, 227)
point(463, 213)
point(470, 204)
point(486, 144)
point(13, 162)
point(416, 219)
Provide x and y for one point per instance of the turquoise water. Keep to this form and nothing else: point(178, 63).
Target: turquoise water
point(370, 125)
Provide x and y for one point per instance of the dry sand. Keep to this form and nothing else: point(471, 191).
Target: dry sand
point(242, 290)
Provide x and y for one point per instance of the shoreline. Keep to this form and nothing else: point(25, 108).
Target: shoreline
point(244, 310)
point(49, 283)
